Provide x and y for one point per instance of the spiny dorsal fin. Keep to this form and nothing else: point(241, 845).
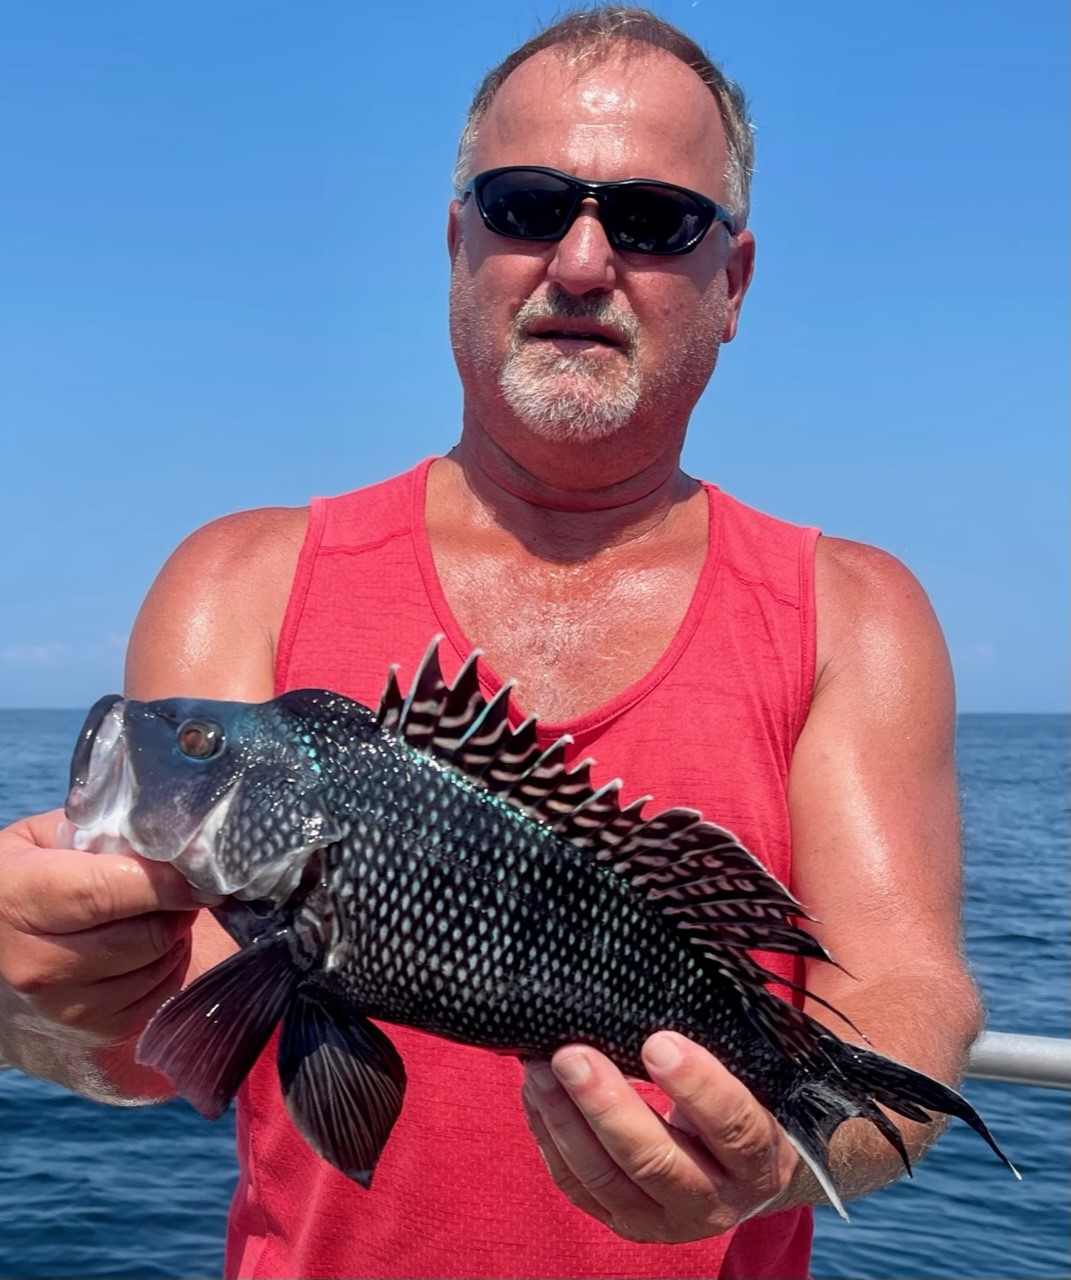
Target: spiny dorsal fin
point(514, 759)
point(694, 873)
point(390, 703)
point(424, 704)
point(543, 775)
point(485, 737)
point(589, 818)
point(572, 787)
point(462, 703)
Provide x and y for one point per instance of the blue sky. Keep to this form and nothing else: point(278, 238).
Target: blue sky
point(223, 281)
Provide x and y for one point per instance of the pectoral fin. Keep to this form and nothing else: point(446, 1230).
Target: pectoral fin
point(206, 1039)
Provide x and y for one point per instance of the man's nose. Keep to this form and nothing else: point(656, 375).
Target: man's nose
point(583, 258)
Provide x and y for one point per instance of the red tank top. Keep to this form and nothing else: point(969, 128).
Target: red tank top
point(460, 1189)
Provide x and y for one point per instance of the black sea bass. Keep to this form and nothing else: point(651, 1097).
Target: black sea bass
point(426, 864)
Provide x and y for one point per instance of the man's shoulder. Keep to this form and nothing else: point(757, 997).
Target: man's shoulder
point(244, 543)
point(243, 562)
point(873, 613)
point(863, 573)
point(209, 624)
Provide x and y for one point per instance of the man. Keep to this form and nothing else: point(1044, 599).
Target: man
point(795, 689)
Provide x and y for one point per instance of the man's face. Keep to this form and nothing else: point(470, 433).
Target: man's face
point(573, 339)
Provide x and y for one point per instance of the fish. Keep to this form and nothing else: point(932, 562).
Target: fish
point(427, 864)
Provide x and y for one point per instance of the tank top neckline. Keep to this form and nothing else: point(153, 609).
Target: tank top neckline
point(600, 716)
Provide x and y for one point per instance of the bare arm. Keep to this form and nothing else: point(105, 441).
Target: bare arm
point(876, 849)
point(91, 946)
point(872, 800)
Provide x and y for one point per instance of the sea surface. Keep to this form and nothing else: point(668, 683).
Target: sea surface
point(87, 1190)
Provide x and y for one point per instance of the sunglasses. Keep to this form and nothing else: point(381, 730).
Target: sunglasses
point(640, 215)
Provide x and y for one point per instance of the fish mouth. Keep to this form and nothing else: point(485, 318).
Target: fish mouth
point(102, 787)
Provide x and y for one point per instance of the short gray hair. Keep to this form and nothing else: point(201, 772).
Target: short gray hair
point(597, 33)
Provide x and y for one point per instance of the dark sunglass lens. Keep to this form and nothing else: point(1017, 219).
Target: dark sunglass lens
point(655, 219)
point(526, 205)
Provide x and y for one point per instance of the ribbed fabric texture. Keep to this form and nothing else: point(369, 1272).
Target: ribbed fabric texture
point(461, 1190)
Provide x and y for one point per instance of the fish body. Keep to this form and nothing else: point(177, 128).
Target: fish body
point(426, 864)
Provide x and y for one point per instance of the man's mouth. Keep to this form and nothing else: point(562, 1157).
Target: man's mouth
point(574, 336)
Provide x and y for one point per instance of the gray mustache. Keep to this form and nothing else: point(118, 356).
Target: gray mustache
point(559, 305)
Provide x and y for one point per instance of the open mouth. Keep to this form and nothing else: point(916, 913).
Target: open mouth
point(102, 787)
point(579, 337)
point(568, 342)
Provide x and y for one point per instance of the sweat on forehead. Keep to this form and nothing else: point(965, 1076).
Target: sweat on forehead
point(635, 111)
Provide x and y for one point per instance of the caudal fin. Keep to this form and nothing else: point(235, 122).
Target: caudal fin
point(859, 1079)
point(206, 1039)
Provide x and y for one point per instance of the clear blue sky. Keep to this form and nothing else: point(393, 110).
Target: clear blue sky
point(223, 282)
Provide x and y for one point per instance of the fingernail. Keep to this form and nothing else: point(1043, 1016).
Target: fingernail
point(540, 1077)
point(572, 1068)
point(662, 1053)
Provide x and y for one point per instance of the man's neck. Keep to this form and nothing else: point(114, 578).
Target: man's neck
point(566, 502)
point(542, 582)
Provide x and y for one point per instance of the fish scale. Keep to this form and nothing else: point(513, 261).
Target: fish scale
point(471, 882)
point(429, 865)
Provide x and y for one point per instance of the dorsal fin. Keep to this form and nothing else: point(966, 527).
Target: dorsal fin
point(514, 759)
point(424, 703)
point(462, 701)
point(487, 735)
point(542, 777)
point(390, 703)
point(697, 875)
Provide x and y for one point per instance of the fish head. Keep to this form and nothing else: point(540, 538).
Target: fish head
point(225, 791)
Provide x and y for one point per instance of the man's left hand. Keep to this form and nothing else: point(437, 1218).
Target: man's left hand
point(722, 1159)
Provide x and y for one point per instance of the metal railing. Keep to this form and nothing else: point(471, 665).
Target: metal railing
point(1021, 1059)
point(1002, 1055)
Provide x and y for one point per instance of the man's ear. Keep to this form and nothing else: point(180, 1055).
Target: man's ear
point(739, 270)
point(453, 229)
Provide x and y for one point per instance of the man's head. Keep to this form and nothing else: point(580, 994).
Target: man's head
point(596, 34)
point(605, 326)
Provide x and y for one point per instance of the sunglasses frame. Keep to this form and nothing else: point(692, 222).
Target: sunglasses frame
point(583, 189)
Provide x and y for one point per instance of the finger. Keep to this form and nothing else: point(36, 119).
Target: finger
point(595, 1101)
point(563, 1176)
point(656, 1158)
point(91, 955)
point(66, 891)
point(742, 1136)
point(117, 1008)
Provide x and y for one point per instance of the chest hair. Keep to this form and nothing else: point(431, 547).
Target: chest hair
point(571, 636)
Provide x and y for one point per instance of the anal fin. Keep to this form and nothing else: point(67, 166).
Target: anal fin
point(342, 1079)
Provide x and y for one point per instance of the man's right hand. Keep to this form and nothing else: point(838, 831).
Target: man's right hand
point(91, 945)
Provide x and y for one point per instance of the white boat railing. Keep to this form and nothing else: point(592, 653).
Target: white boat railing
point(1001, 1055)
point(1021, 1059)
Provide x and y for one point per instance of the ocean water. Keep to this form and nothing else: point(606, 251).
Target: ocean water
point(92, 1191)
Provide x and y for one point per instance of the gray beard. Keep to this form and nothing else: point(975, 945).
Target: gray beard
point(563, 399)
point(569, 398)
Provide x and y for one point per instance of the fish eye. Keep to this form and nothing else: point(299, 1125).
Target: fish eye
point(199, 739)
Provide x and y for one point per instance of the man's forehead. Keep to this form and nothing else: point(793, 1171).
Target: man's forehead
point(641, 99)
